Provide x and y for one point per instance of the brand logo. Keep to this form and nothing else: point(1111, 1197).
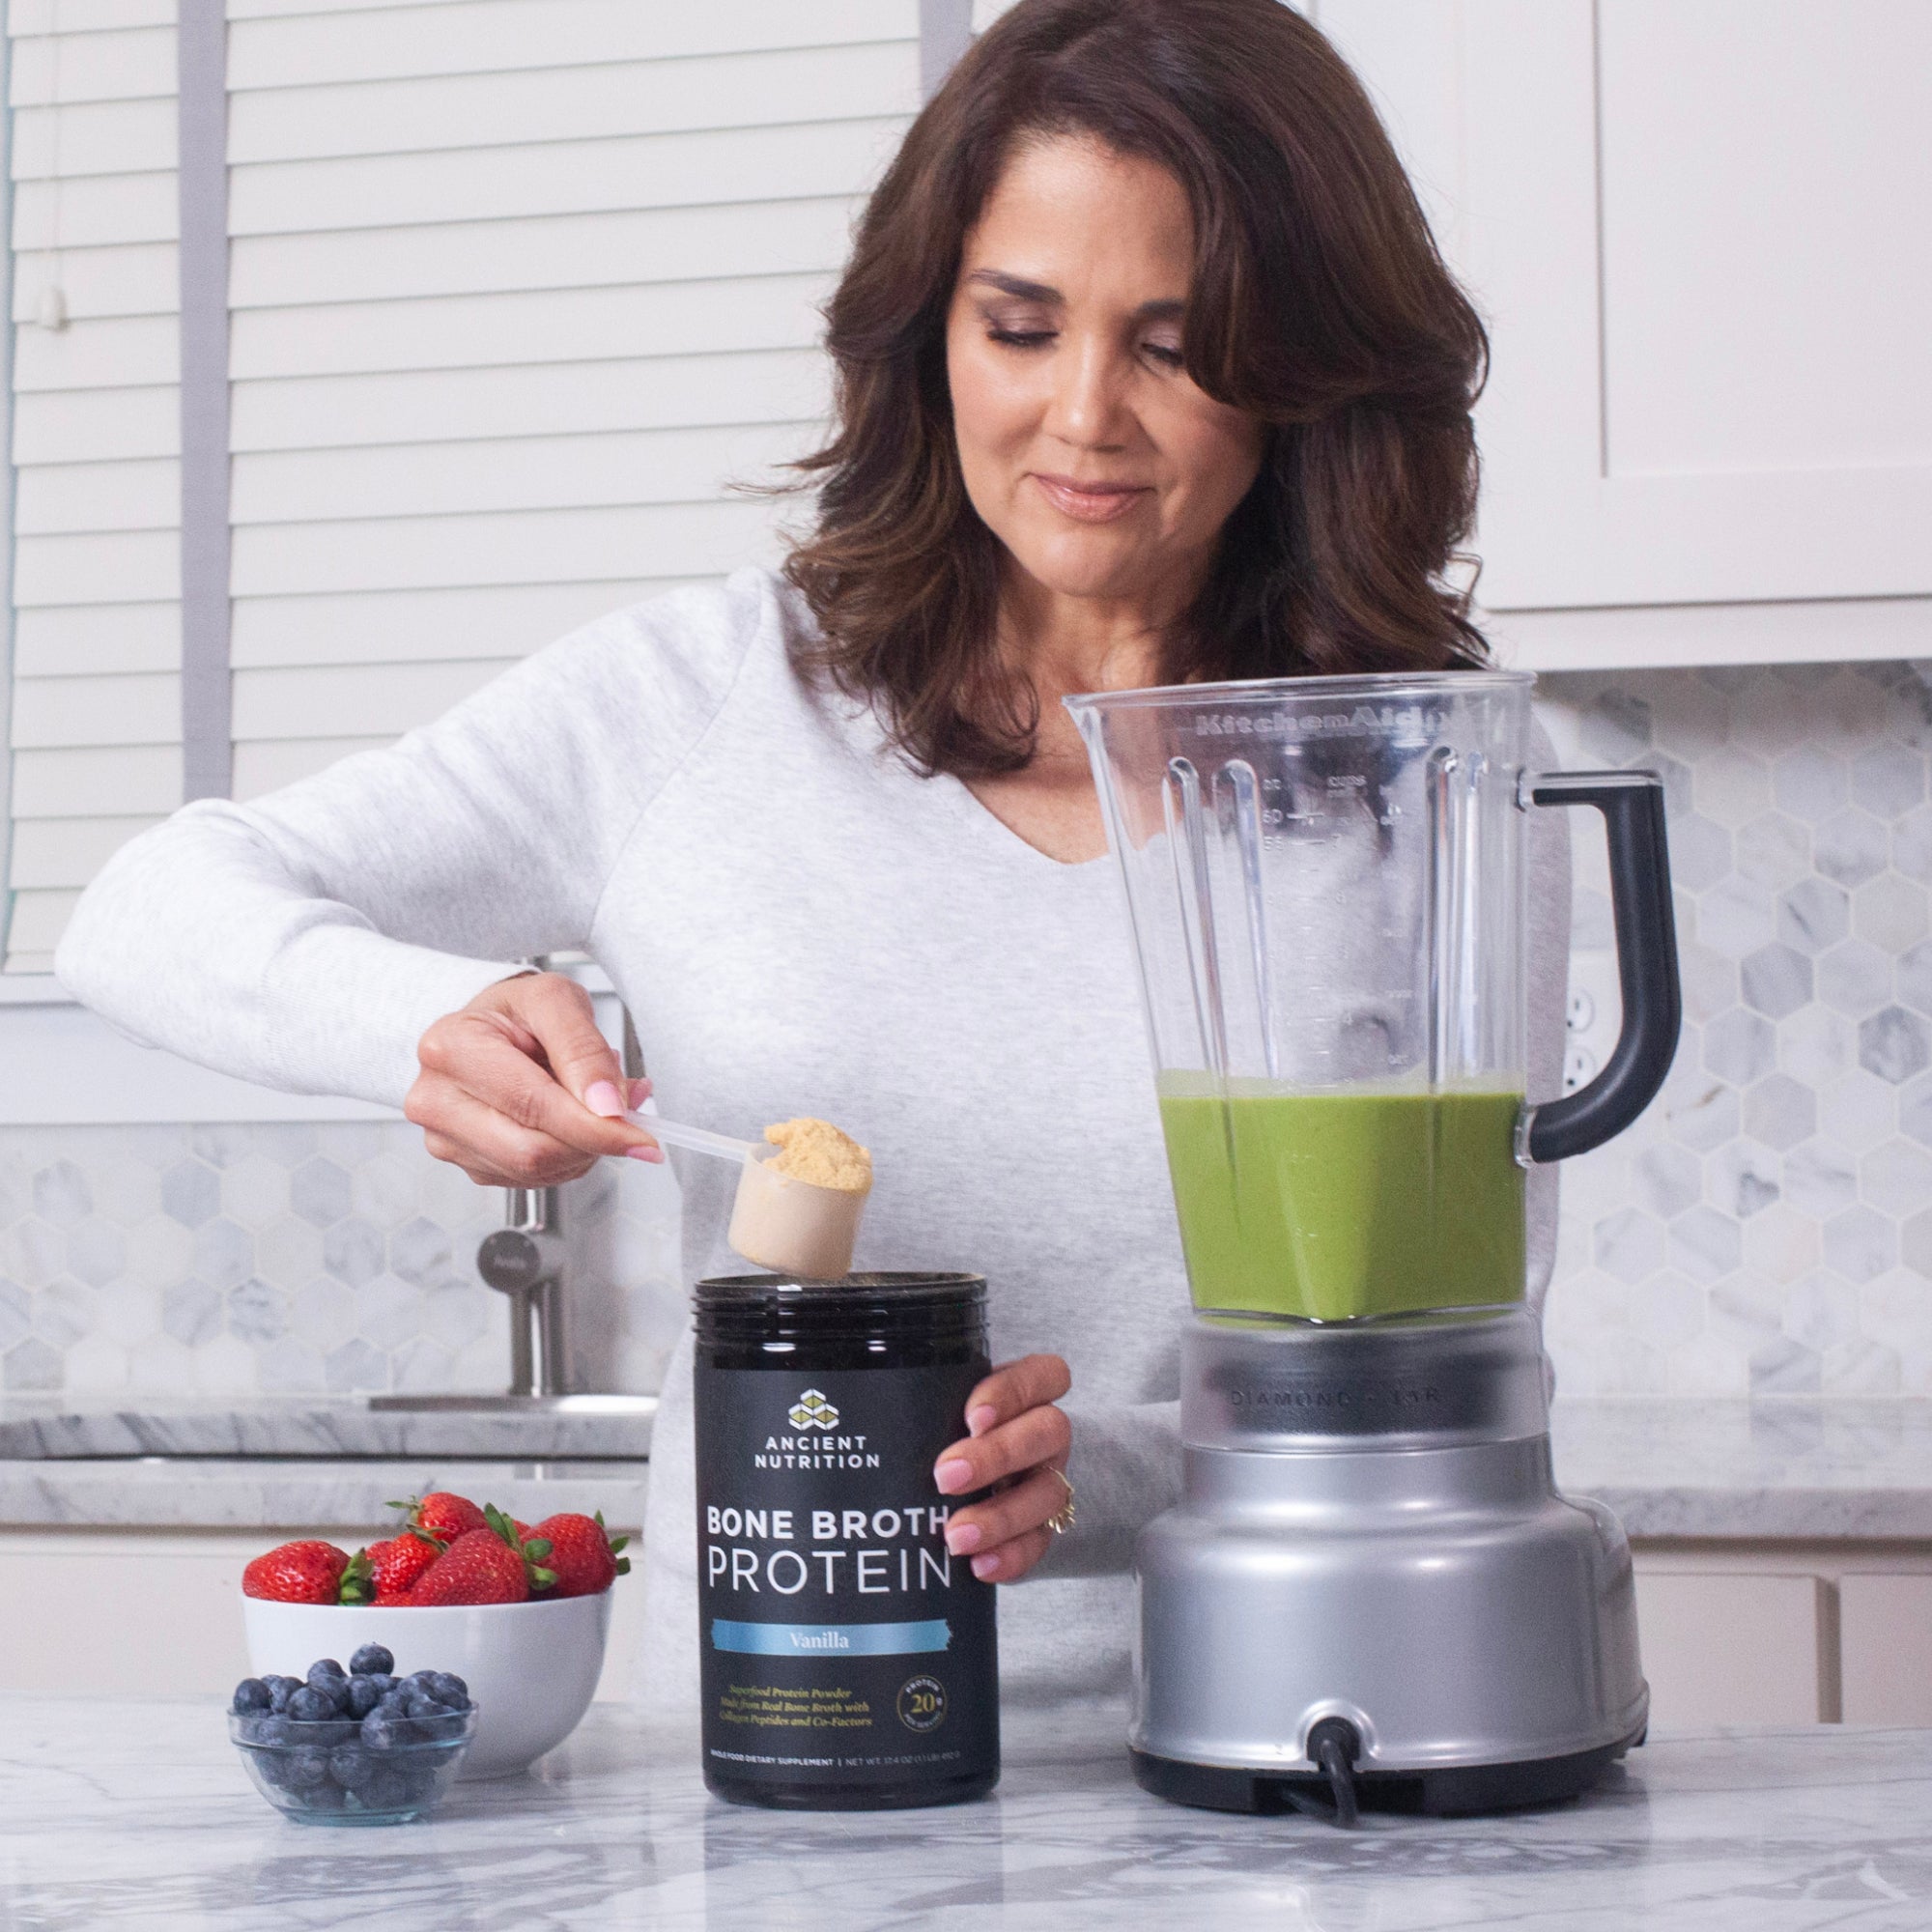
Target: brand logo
point(811, 1410)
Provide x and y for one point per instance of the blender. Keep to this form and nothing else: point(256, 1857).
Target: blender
point(1371, 1591)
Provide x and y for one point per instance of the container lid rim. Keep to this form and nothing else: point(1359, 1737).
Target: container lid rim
point(1286, 689)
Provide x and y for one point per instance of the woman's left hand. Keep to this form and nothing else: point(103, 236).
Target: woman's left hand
point(1017, 1439)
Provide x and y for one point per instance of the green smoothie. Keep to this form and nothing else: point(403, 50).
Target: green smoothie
point(1331, 1206)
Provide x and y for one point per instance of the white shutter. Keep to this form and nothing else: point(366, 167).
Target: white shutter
point(518, 288)
point(95, 725)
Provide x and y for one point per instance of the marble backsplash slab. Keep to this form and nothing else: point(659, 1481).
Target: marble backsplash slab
point(1766, 1228)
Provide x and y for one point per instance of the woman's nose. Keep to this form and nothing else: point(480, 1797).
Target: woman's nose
point(1088, 409)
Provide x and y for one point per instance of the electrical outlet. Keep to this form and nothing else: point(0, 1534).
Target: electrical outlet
point(1592, 1020)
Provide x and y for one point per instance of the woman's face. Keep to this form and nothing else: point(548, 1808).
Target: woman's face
point(1084, 446)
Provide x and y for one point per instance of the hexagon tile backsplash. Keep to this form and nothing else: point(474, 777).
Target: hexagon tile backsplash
point(1766, 1228)
point(294, 1259)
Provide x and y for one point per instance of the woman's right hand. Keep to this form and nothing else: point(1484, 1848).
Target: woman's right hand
point(521, 1089)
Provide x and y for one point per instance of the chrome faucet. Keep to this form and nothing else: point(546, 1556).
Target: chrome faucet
point(524, 1258)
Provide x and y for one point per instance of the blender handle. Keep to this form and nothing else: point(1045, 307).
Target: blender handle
point(1633, 807)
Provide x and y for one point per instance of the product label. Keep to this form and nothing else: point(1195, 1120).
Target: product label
point(839, 1642)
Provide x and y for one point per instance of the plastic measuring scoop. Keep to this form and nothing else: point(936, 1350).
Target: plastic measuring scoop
point(777, 1221)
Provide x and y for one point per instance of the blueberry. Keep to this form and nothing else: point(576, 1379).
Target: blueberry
point(325, 1671)
point(364, 1695)
point(388, 1790)
point(383, 1732)
point(383, 1681)
point(446, 1724)
point(370, 1658)
point(274, 1730)
point(449, 1690)
point(251, 1694)
point(349, 1767)
point(310, 1706)
point(422, 1705)
point(323, 1797)
point(280, 1690)
point(395, 1703)
point(304, 1768)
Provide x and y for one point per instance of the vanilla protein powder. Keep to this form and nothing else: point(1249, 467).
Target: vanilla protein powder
point(847, 1658)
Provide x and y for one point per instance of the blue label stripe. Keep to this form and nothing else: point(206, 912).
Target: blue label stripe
point(830, 1639)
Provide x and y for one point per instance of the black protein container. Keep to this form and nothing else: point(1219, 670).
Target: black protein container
point(847, 1661)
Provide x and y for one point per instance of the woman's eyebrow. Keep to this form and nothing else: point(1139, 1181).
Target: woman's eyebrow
point(1016, 286)
point(1168, 308)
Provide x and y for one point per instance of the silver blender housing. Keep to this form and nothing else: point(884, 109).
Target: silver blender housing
point(1369, 1548)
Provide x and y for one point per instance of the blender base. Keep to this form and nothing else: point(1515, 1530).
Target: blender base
point(1456, 1791)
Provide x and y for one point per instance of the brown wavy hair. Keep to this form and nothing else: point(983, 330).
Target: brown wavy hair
point(1319, 304)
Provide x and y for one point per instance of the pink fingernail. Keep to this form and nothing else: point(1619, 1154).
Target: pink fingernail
point(963, 1536)
point(652, 1153)
point(953, 1477)
point(984, 1567)
point(979, 1420)
point(641, 1092)
point(601, 1097)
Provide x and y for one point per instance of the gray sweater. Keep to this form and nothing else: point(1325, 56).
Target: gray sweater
point(800, 924)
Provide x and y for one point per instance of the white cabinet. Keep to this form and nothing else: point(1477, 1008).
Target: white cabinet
point(1702, 234)
point(1737, 1633)
point(1885, 1626)
point(1731, 1650)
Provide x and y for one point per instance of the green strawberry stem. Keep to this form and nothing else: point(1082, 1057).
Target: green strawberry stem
point(358, 1584)
point(531, 1551)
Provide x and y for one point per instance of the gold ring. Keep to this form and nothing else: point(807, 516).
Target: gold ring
point(1061, 1519)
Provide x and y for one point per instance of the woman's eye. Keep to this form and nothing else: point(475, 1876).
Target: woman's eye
point(1020, 338)
point(1166, 354)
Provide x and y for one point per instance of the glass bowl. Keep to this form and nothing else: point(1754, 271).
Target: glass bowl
point(320, 1771)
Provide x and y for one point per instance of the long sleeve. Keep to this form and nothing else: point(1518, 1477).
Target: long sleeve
point(306, 940)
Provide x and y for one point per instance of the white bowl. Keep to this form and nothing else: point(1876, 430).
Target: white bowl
point(532, 1668)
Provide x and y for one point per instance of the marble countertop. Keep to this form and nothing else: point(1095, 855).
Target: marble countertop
point(49, 1427)
point(139, 1815)
point(1787, 1467)
point(263, 1493)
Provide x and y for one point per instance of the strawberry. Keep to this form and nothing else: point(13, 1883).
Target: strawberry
point(443, 1515)
point(581, 1553)
point(298, 1573)
point(396, 1563)
point(478, 1568)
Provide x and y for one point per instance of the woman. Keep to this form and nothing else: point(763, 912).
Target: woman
point(1149, 371)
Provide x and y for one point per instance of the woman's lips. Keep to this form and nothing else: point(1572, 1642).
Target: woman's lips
point(1090, 503)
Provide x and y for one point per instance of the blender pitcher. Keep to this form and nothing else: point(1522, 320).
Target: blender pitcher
point(1326, 888)
point(1369, 1590)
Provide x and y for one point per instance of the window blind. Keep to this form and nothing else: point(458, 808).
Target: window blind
point(517, 289)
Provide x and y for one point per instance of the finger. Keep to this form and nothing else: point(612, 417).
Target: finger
point(559, 1012)
point(486, 1144)
point(485, 1175)
point(1012, 1512)
point(475, 1049)
point(1039, 1436)
point(1013, 1387)
point(1012, 1561)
